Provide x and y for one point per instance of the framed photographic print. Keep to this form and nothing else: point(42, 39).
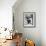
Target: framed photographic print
point(29, 19)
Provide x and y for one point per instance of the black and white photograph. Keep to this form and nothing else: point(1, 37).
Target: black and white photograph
point(29, 19)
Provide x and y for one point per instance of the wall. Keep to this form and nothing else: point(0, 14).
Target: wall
point(29, 33)
point(6, 13)
point(43, 22)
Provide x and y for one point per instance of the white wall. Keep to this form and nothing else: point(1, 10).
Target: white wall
point(6, 13)
point(43, 22)
point(28, 6)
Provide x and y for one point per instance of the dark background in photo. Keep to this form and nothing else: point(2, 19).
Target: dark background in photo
point(29, 19)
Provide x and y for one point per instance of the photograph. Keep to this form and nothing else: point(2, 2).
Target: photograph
point(29, 19)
